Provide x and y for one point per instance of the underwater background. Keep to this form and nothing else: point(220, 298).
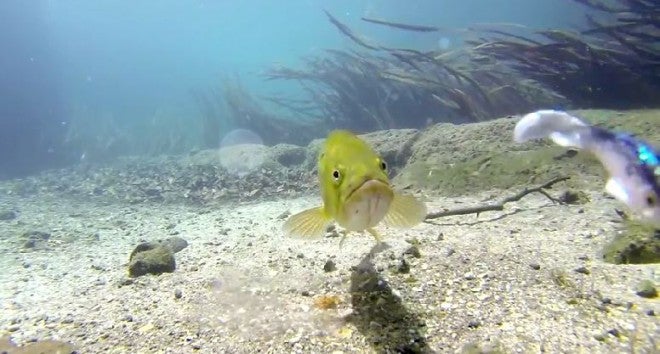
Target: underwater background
point(94, 80)
point(157, 159)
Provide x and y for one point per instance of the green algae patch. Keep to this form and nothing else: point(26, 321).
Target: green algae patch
point(643, 122)
point(637, 244)
point(501, 171)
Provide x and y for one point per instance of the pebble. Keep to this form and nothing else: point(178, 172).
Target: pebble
point(413, 251)
point(403, 267)
point(474, 324)
point(535, 266)
point(178, 293)
point(583, 270)
point(329, 266)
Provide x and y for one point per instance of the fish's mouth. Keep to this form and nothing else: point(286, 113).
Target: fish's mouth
point(373, 185)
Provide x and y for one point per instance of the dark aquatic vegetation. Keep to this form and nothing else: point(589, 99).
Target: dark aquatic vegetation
point(417, 28)
point(633, 165)
point(347, 31)
point(614, 63)
point(386, 88)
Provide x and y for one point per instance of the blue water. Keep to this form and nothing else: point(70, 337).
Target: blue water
point(124, 64)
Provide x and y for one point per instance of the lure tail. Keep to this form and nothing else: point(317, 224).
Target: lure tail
point(563, 128)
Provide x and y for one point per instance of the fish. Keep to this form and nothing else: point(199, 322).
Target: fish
point(633, 165)
point(356, 193)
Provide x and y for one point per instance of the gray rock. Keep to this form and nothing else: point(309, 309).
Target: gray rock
point(329, 266)
point(35, 239)
point(288, 155)
point(7, 215)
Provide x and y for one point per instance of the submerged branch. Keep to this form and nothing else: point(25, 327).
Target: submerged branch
point(499, 206)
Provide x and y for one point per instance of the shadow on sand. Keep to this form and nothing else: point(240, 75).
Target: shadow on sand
point(380, 315)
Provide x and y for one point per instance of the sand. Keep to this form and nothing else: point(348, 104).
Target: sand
point(528, 279)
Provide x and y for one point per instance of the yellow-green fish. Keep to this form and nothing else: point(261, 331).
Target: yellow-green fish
point(356, 192)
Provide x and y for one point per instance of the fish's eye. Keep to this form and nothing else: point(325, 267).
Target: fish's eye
point(383, 166)
point(336, 175)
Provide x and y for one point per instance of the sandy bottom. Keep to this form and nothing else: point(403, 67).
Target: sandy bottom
point(501, 281)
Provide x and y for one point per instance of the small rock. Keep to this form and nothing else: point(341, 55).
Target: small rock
point(535, 266)
point(646, 289)
point(284, 215)
point(650, 312)
point(403, 267)
point(178, 294)
point(583, 270)
point(469, 276)
point(474, 324)
point(125, 281)
point(305, 293)
point(574, 197)
point(329, 266)
point(8, 215)
point(413, 251)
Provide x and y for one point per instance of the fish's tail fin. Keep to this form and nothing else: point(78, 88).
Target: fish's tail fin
point(563, 128)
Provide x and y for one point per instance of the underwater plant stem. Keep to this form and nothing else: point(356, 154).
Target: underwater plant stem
point(500, 205)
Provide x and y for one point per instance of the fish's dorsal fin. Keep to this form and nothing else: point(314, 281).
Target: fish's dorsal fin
point(310, 223)
point(405, 211)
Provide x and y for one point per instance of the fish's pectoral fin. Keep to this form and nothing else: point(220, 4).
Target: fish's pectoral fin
point(310, 223)
point(405, 211)
point(375, 234)
point(615, 189)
